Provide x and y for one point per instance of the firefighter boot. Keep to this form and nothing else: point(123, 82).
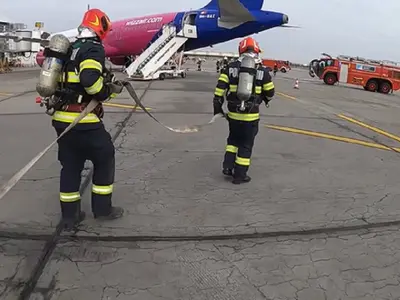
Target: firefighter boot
point(227, 172)
point(239, 180)
point(240, 175)
point(70, 224)
point(115, 213)
point(71, 215)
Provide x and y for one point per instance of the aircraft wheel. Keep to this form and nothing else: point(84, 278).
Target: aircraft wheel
point(162, 76)
point(183, 74)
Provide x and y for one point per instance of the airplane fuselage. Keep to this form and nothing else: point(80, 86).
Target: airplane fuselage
point(130, 37)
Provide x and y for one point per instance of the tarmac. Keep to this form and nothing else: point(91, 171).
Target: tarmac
point(320, 219)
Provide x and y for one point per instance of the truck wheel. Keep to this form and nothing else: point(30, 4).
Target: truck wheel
point(372, 85)
point(330, 79)
point(384, 87)
point(162, 76)
point(283, 70)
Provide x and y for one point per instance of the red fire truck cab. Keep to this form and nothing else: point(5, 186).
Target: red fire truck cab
point(372, 75)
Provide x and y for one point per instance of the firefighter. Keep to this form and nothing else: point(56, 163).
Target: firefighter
point(275, 69)
point(225, 62)
point(88, 140)
point(243, 116)
point(199, 63)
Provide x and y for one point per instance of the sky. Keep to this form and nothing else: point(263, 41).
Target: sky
point(348, 27)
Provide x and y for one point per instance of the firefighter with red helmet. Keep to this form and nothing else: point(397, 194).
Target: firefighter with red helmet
point(246, 83)
point(85, 79)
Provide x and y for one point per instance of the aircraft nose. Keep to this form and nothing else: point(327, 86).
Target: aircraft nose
point(285, 19)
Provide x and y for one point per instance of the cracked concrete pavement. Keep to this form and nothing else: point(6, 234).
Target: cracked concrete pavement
point(354, 266)
point(171, 185)
point(17, 260)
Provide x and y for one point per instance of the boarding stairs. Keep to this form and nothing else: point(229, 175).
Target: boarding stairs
point(161, 50)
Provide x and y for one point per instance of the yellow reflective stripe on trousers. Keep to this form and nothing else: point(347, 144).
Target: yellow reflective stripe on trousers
point(258, 90)
point(232, 149)
point(69, 117)
point(268, 86)
point(70, 197)
point(102, 189)
point(242, 161)
point(72, 77)
point(90, 64)
point(96, 87)
point(233, 88)
point(224, 78)
point(219, 92)
point(244, 117)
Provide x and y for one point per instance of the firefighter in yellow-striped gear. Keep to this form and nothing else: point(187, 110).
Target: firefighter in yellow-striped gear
point(84, 80)
point(243, 115)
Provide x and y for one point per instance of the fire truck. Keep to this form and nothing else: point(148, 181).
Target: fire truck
point(283, 65)
point(372, 75)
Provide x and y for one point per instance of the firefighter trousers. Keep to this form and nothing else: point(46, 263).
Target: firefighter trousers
point(74, 149)
point(240, 146)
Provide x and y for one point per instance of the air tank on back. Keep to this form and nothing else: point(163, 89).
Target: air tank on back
point(246, 78)
point(52, 66)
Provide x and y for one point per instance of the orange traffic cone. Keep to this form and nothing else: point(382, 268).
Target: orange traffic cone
point(296, 84)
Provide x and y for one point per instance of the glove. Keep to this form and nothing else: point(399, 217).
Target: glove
point(218, 111)
point(217, 106)
point(267, 102)
point(115, 88)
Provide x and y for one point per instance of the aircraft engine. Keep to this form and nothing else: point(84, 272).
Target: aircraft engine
point(120, 61)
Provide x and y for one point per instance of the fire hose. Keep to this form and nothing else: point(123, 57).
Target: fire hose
point(183, 129)
point(88, 109)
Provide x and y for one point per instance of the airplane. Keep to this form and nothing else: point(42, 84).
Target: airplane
point(217, 22)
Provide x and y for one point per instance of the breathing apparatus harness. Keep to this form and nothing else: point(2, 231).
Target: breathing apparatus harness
point(49, 87)
point(54, 75)
point(246, 85)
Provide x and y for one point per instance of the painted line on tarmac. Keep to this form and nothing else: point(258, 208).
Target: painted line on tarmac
point(286, 96)
point(377, 130)
point(330, 137)
point(6, 94)
point(336, 112)
point(120, 105)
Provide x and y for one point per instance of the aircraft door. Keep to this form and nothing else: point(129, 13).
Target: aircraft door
point(344, 73)
point(189, 25)
point(178, 21)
